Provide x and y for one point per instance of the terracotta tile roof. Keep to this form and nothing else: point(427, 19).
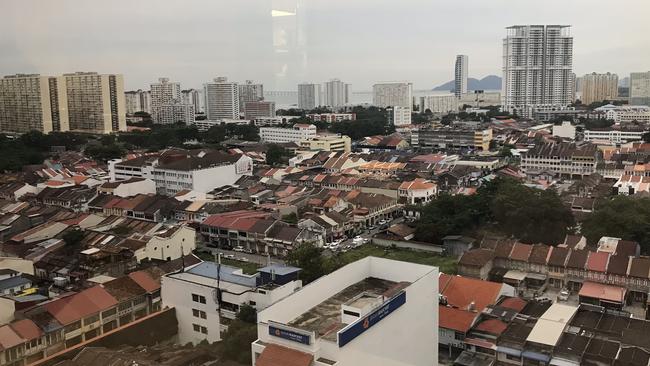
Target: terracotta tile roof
point(602, 292)
point(597, 261)
point(476, 257)
point(503, 249)
point(463, 291)
point(515, 303)
point(275, 355)
point(572, 240)
point(492, 326)
point(618, 265)
point(640, 267)
point(9, 338)
point(539, 254)
point(627, 248)
point(578, 259)
point(521, 252)
point(26, 329)
point(80, 305)
point(558, 256)
point(144, 280)
point(455, 319)
point(123, 288)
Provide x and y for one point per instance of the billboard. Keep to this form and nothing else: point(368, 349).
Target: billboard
point(347, 334)
point(290, 335)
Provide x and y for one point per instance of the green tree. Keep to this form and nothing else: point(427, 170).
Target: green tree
point(73, 237)
point(623, 217)
point(237, 341)
point(308, 257)
point(247, 314)
point(275, 154)
point(291, 218)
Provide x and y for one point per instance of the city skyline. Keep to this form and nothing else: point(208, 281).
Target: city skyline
point(283, 51)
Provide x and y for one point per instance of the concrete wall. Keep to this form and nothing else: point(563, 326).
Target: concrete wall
point(425, 247)
point(183, 241)
point(146, 186)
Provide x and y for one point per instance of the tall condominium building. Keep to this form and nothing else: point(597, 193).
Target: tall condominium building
point(309, 96)
point(392, 94)
point(32, 102)
point(163, 92)
point(221, 99)
point(171, 113)
point(95, 102)
point(537, 67)
point(192, 97)
point(598, 87)
point(336, 93)
point(640, 88)
point(399, 116)
point(254, 110)
point(250, 92)
point(460, 84)
point(138, 101)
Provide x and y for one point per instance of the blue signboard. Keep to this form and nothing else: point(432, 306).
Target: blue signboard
point(357, 328)
point(289, 335)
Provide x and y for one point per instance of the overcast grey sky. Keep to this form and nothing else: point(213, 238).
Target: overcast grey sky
point(358, 41)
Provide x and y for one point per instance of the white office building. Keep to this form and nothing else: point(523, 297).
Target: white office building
point(221, 99)
point(336, 93)
point(374, 311)
point(438, 104)
point(207, 296)
point(640, 88)
point(399, 116)
point(612, 136)
point(460, 75)
point(250, 92)
point(392, 94)
point(537, 68)
point(309, 96)
point(626, 113)
point(296, 133)
point(163, 92)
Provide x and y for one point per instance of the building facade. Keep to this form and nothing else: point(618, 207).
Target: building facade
point(250, 92)
point(598, 87)
point(327, 143)
point(373, 311)
point(138, 101)
point(399, 116)
point(163, 93)
point(612, 136)
point(221, 99)
point(460, 75)
point(192, 97)
point(453, 138)
point(537, 67)
point(95, 102)
point(336, 93)
point(32, 102)
point(440, 104)
point(309, 96)
point(253, 110)
point(640, 88)
point(297, 133)
point(171, 113)
point(392, 94)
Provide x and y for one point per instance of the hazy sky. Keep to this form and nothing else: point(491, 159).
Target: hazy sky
point(358, 41)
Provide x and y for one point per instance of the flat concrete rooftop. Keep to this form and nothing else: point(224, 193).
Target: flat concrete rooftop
point(325, 318)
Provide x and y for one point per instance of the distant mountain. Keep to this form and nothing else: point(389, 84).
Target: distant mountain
point(490, 82)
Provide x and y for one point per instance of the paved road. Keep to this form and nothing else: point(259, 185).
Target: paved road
point(255, 258)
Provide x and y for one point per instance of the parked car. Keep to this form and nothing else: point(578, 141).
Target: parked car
point(229, 256)
point(238, 248)
point(563, 295)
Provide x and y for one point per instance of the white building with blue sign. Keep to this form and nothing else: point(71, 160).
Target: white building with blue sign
point(207, 295)
point(374, 311)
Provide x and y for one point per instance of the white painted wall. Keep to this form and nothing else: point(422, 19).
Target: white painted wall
point(182, 242)
point(146, 186)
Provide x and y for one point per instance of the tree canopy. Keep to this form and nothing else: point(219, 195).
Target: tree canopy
point(622, 217)
point(503, 205)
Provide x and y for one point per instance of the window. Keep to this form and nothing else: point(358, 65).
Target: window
point(198, 298)
point(199, 328)
point(199, 314)
point(91, 319)
point(109, 312)
point(72, 327)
